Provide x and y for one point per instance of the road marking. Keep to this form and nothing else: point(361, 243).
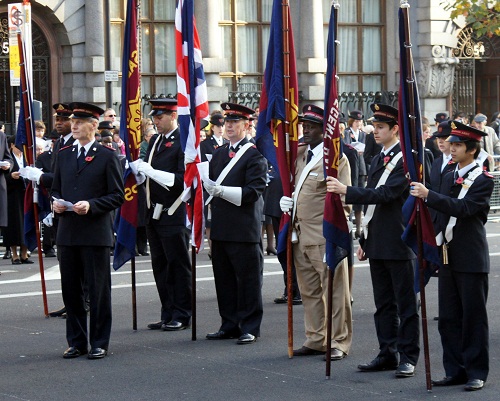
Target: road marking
point(115, 287)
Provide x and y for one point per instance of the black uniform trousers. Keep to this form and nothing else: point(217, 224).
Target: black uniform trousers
point(238, 269)
point(396, 316)
point(463, 323)
point(169, 247)
point(88, 265)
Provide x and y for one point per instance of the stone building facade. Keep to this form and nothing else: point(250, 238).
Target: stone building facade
point(78, 40)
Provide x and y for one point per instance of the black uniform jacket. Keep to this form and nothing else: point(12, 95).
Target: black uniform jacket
point(170, 158)
point(468, 250)
point(386, 227)
point(239, 223)
point(208, 146)
point(100, 182)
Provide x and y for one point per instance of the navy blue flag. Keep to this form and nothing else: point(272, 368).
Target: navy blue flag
point(277, 143)
point(335, 228)
point(125, 224)
point(410, 133)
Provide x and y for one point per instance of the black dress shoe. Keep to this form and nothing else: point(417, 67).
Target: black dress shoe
point(450, 381)
point(97, 353)
point(405, 369)
point(144, 253)
point(26, 261)
point(58, 313)
point(378, 364)
point(156, 325)
point(306, 351)
point(336, 355)
point(474, 385)
point(73, 352)
point(281, 300)
point(7, 254)
point(271, 251)
point(16, 261)
point(284, 299)
point(50, 254)
point(246, 338)
point(174, 325)
point(221, 335)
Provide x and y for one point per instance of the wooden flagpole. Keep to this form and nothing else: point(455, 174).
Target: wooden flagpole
point(421, 262)
point(286, 86)
point(336, 6)
point(30, 155)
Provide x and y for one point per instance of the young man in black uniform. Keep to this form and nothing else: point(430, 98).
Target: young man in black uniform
point(167, 234)
point(391, 260)
point(463, 206)
point(89, 176)
point(239, 172)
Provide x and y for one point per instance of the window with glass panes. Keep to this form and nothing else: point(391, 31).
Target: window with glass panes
point(245, 36)
point(157, 41)
point(361, 32)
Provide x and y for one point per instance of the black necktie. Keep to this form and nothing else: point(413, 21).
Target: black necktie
point(231, 149)
point(381, 159)
point(81, 158)
point(309, 155)
point(160, 143)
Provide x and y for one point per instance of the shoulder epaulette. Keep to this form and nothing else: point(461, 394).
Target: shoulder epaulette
point(66, 147)
point(487, 174)
point(108, 148)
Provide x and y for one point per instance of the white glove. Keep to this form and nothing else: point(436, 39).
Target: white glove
point(31, 173)
point(231, 194)
point(48, 220)
point(286, 204)
point(140, 177)
point(164, 178)
point(213, 190)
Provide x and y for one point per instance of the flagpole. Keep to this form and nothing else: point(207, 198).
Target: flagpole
point(134, 156)
point(421, 262)
point(30, 155)
point(336, 6)
point(286, 85)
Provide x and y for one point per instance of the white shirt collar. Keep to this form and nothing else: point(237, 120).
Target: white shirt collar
point(316, 149)
point(86, 147)
point(386, 151)
point(466, 169)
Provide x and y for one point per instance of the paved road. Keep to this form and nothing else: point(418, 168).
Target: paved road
point(147, 365)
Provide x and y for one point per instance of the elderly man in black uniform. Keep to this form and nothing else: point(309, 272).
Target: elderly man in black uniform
point(89, 176)
point(167, 233)
point(239, 172)
point(391, 260)
point(463, 203)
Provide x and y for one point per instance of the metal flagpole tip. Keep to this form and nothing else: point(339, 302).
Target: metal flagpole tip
point(404, 4)
point(335, 4)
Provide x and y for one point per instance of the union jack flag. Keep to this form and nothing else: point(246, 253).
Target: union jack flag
point(192, 107)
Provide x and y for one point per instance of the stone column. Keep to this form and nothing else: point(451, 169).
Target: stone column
point(207, 14)
point(94, 64)
point(435, 64)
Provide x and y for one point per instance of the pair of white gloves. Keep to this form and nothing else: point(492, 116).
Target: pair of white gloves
point(143, 169)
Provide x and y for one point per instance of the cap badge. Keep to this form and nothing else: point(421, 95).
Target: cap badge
point(377, 107)
point(453, 126)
